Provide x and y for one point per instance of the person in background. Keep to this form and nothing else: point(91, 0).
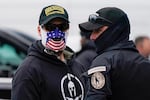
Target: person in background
point(85, 56)
point(88, 50)
point(119, 72)
point(143, 45)
point(46, 73)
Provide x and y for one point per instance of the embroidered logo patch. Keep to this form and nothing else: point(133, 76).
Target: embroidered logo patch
point(98, 80)
point(53, 10)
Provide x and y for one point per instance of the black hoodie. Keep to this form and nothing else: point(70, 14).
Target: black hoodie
point(44, 77)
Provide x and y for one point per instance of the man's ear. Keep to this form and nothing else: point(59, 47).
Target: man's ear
point(39, 30)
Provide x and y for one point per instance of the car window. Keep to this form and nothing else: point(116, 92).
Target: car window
point(10, 58)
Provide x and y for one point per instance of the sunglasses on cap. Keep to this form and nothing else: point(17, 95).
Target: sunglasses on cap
point(98, 19)
point(50, 26)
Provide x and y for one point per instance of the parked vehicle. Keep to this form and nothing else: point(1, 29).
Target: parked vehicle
point(13, 50)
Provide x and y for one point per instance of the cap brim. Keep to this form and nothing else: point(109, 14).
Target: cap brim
point(88, 26)
point(55, 16)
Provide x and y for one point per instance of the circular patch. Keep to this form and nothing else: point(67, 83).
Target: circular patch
point(98, 80)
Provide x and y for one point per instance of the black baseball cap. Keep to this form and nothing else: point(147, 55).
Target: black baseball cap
point(106, 16)
point(53, 11)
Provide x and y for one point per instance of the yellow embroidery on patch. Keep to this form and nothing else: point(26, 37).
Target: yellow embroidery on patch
point(53, 10)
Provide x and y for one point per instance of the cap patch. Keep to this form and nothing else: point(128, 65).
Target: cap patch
point(54, 9)
point(97, 80)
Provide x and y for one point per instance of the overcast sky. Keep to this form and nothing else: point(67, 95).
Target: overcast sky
point(23, 15)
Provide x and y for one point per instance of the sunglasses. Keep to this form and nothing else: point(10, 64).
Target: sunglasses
point(98, 19)
point(50, 26)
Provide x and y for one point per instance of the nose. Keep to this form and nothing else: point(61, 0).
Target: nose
point(93, 35)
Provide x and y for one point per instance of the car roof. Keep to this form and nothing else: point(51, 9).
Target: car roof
point(20, 39)
point(19, 35)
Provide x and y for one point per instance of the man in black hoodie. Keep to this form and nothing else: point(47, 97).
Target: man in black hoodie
point(119, 72)
point(46, 73)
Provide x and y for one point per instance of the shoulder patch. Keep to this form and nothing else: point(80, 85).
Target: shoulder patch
point(97, 80)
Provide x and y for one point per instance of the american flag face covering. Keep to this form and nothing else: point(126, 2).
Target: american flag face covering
point(55, 40)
